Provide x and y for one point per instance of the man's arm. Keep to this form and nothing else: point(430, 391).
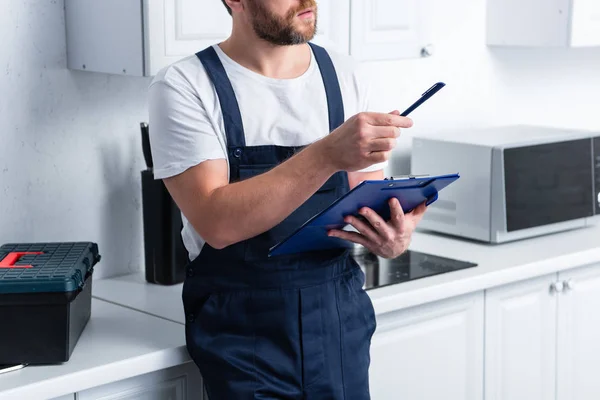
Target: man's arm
point(354, 178)
point(224, 213)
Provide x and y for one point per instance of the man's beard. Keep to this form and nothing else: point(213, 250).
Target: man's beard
point(281, 31)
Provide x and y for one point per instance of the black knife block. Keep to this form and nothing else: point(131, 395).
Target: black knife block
point(165, 254)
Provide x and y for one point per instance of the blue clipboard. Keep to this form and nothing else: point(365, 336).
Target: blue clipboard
point(375, 194)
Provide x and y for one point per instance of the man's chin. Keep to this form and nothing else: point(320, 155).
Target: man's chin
point(306, 34)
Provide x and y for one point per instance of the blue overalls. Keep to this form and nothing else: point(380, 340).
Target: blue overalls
point(285, 327)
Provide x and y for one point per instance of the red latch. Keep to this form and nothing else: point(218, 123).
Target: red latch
point(10, 260)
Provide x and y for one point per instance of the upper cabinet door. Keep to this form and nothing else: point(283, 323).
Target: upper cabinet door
point(333, 25)
point(386, 29)
point(585, 24)
point(543, 23)
point(178, 28)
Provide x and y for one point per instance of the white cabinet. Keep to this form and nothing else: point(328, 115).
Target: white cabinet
point(387, 29)
point(541, 338)
point(579, 335)
point(182, 382)
point(434, 351)
point(520, 341)
point(175, 29)
point(66, 397)
point(333, 25)
point(566, 23)
point(585, 23)
point(139, 37)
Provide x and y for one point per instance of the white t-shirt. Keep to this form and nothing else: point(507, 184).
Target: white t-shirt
point(186, 124)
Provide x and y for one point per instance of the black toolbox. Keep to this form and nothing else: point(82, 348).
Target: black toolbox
point(45, 299)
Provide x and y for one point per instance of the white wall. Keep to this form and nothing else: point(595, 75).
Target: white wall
point(70, 152)
point(485, 86)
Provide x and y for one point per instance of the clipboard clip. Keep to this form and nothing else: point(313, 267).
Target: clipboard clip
point(410, 176)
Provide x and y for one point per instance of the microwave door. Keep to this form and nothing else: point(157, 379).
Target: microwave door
point(548, 183)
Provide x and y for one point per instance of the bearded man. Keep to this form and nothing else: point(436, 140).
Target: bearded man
point(252, 137)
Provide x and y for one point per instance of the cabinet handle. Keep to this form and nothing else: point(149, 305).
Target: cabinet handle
point(569, 284)
point(556, 287)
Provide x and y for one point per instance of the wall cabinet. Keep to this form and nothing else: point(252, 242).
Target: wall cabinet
point(178, 28)
point(433, 351)
point(387, 29)
point(562, 23)
point(139, 37)
point(541, 337)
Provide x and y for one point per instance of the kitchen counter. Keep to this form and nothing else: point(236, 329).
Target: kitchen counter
point(137, 327)
point(496, 265)
point(117, 343)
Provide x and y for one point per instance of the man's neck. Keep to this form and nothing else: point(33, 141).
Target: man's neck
point(279, 62)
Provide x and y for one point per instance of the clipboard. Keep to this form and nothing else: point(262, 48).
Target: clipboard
point(375, 194)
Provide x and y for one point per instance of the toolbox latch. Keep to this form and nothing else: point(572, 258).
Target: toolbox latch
point(12, 258)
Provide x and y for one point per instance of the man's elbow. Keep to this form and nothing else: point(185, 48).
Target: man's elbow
point(218, 238)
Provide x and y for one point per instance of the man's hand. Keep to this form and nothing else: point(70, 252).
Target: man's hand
point(365, 139)
point(386, 239)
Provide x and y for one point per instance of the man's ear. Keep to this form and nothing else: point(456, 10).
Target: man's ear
point(234, 5)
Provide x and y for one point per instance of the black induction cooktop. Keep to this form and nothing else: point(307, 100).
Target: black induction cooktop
point(409, 266)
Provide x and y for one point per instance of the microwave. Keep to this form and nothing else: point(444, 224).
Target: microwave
point(515, 182)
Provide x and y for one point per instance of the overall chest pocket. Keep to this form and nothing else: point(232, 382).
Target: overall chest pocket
point(257, 248)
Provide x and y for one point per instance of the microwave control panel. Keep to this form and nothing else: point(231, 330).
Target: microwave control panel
point(597, 172)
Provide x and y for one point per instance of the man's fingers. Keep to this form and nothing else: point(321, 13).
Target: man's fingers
point(364, 228)
point(396, 212)
point(417, 213)
point(382, 144)
point(351, 236)
point(379, 119)
point(377, 157)
point(378, 224)
point(384, 132)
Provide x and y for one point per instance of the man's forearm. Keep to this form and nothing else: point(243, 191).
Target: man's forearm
point(242, 210)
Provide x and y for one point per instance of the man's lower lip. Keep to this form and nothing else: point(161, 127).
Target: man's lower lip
point(306, 14)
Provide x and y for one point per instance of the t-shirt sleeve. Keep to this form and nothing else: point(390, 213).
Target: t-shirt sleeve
point(181, 133)
point(364, 92)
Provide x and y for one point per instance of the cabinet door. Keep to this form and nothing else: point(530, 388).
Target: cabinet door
point(520, 340)
point(432, 352)
point(333, 25)
point(585, 23)
point(182, 382)
point(578, 335)
point(386, 29)
point(178, 28)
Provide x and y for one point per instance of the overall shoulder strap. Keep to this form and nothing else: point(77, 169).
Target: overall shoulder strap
point(335, 102)
point(232, 117)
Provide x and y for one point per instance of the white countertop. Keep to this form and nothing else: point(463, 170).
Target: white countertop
point(142, 330)
point(116, 344)
point(497, 265)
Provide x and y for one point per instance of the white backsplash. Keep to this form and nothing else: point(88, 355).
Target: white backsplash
point(70, 155)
